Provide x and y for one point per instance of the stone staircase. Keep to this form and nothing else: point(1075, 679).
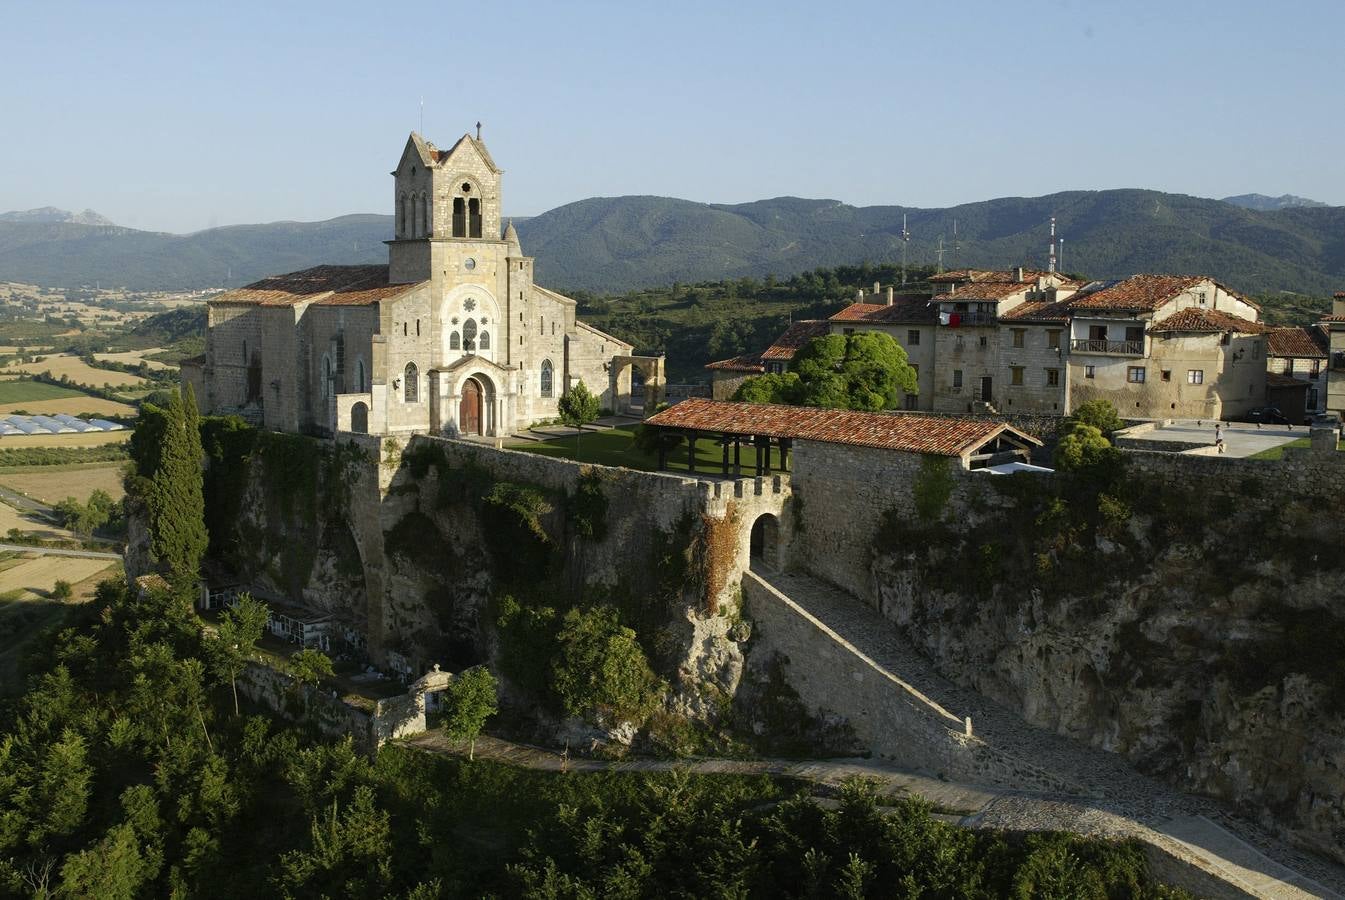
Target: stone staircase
point(1072, 786)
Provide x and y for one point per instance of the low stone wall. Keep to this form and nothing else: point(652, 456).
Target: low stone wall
point(283, 695)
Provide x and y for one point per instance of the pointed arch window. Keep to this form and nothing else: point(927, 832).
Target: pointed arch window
point(411, 385)
point(469, 335)
point(401, 216)
point(483, 341)
point(425, 225)
point(474, 217)
point(326, 387)
point(459, 217)
point(548, 378)
point(454, 342)
point(360, 384)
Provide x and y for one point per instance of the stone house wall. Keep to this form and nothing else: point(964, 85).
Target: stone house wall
point(1036, 358)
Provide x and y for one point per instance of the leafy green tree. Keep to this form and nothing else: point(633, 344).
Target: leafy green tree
point(867, 371)
point(113, 868)
point(471, 698)
point(772, 388)
point(310, 666)
point(601, 667)
point(1101, 414)
point(577, 407)
point(241, 626)
point(1083, 446)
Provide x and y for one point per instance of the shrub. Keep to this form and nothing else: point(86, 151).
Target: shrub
point(601, 668)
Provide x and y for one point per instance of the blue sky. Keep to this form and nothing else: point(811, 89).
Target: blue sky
point(183, 115)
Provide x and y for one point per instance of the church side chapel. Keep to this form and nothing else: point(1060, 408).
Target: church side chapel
point(453, 336)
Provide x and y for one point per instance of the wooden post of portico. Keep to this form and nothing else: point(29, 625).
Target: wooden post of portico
point(737, 455)
point(691, 452)
point(724, 443)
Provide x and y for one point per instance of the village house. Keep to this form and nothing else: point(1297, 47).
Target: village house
point(1019, 341)
point(727, 375)
point(1297, 356)
point(451, 336)
point(1335, 376)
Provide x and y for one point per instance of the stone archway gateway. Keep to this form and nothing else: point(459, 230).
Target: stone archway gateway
point(765, 541)
point(471, 408)
point(652, 382)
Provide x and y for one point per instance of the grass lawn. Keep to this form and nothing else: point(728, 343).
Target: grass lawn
point(1278, 452)
point(22, 391)
point(616, 448)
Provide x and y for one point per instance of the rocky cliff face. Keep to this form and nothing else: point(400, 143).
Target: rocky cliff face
point(1195, 629)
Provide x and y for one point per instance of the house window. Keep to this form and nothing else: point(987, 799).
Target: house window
point(459, 217)
point(454, 342)
point(1135, 374)
point(1015, 375)
point(913, 337)
point(547, 378)
point(1053, 378)
point(1195, 376)
point(1201, 297)
point(1316, 368)
point(1097, 332)
point(1135, 333)
point(912, 401)
point(411, 385)
point(1167, 374)
point(1089, 371)
point(983, 340)
point(1053, 340)
point(1018, 335)
point(1312, 399)
point(957, 378)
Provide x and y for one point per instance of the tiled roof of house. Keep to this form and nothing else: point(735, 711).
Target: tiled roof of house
point(1195, 319)
point(904, 310)
point(960, 275)
point(1140, 292)
point(1297, 342)
point(985, 290)
point(750, 362)
point(794, 339)
point(1333, 318)
point(1339, 295)
point(321, 285)
point(907, 432)
point(1041, 311)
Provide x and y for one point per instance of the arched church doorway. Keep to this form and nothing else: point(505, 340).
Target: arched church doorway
point(359, 418)
point(469, 408)
point(765, 541)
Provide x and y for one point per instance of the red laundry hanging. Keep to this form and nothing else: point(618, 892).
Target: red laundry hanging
point(955, 319)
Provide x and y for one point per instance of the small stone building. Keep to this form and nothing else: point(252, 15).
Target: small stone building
point(452, 336)
point(1298, 354)
point(727, 375)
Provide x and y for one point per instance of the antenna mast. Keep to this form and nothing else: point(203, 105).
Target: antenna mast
point(940, 252)
point(957, 248)
point(1050, 265)
point(1060, 255)
point(905, 242)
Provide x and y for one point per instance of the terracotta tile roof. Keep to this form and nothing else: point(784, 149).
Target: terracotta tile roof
point(960, 275)
point(911, 433)
point(904, 310)
point(320, 285)
point(1140, 292)
point(985, 290)
point(1278, 380)
point(1339, 295)
point(1297, 342)
point(1039, 311)
point(1333, 318)
point(750, 362)
point(1193, 319)
point(795, 338)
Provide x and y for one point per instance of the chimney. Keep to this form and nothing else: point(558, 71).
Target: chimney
point(859, 296)
point(1338, 304)
point(891, 295)
point(1018, 274)
point(875, 288)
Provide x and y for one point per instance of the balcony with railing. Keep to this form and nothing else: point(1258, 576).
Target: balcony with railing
point(971, 319)
point(1116, 348)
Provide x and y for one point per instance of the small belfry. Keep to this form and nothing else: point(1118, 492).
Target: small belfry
point(453, 336)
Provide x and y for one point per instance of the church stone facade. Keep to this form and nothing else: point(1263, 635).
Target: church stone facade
point(453, 336)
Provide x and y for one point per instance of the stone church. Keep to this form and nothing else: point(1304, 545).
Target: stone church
point(453, 336)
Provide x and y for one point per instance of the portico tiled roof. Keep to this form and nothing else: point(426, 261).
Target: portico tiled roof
point(1295, 342)
point(794, 339)
point(903, 311)
point(911, 433)
point(320, 285)
point(1212, 320)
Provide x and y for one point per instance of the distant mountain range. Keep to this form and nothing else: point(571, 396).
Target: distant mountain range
point(620, 243)
point(50, 214)
point(1264, 203)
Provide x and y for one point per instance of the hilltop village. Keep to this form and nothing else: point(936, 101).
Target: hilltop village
point(396, 467)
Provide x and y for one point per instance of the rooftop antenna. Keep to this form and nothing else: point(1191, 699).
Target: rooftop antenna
point(1050, 264)
point(957, 248)
point(1060, 255)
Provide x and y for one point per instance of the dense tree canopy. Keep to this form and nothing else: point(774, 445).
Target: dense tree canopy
point(866, 371)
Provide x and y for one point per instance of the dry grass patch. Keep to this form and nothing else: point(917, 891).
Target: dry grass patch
point(73, 406)
point(137, 357)
point(37, 576)
point(52, 484)
point(11, 519)
point(77, 370)
point(74, 439)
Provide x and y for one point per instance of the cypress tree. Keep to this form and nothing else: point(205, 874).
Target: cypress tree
point(175, 502)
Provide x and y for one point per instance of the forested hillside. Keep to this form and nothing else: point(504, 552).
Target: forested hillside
point(625, 243)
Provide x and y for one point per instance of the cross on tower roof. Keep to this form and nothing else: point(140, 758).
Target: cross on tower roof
point(478, 131)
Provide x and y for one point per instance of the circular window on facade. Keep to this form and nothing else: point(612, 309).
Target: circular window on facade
point(466, 188)
point(470, 264)
point(469, 304)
